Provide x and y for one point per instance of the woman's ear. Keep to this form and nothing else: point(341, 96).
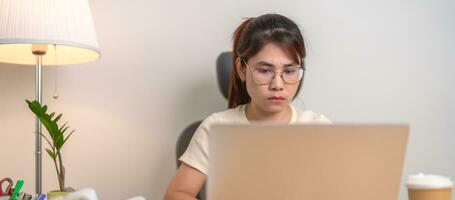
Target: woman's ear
point(240, 70)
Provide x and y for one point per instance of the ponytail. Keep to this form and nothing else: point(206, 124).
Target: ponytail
point(238, 94)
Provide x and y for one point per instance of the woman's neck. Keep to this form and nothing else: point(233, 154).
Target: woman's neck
point(256, 114)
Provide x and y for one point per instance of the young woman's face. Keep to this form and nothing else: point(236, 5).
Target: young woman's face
point(276, 94)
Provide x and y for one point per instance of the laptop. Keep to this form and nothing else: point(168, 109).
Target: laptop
point(306, 162)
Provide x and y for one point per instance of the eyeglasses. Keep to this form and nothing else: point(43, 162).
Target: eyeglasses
point(264, 75)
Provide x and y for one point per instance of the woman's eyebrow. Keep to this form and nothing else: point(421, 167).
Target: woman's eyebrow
point(293, 64)
point(265, 63)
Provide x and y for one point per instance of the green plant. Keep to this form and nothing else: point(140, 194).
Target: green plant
point(57, 137)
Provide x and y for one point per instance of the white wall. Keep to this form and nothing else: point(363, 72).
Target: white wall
point(368, 61)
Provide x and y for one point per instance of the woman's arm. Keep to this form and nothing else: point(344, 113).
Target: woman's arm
point(186, 184)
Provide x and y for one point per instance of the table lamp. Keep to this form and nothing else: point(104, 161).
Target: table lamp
point(46, 32)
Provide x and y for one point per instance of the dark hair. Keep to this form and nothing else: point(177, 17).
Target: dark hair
point(251, 36)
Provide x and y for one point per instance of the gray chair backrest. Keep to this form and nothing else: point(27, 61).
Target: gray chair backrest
point(182, 144)
point(223, 71)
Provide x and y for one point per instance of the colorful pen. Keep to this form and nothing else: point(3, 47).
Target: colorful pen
point(17, 189)
point(41, 197)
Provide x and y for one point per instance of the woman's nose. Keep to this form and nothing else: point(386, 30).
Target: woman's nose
point(277, 82)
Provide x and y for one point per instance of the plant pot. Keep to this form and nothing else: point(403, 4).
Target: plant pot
point(57, 193)
point(54, 194)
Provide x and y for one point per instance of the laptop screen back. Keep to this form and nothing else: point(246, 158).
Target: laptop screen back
point(310, 162)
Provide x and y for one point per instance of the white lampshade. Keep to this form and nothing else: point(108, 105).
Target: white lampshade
point(64, 26)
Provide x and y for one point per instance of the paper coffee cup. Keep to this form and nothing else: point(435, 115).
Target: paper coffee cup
point(429, 187)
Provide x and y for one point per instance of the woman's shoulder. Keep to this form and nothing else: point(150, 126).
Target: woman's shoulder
point(308, 116)
point(232, 115)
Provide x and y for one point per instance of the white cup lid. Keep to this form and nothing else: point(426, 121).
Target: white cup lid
point(423, 181)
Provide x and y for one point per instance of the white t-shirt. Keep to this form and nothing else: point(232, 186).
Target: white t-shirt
point(196, 155)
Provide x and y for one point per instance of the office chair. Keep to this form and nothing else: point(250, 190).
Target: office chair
point(223, 72)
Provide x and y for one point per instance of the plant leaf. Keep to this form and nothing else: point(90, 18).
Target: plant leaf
point(64, 130)
point(58, 142)
point(47, 140)
point(51, 154)
point(50, 126)
point(64, 141)
point(57, 138)
point(35, 107)
point(58, 118)
point(40, 112)
point(62, 127)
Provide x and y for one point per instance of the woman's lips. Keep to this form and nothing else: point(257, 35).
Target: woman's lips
point(276, 98)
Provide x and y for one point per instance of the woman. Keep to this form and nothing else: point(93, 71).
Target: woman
point(268, 53)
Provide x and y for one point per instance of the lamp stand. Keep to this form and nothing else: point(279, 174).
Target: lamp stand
point(38, 51)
